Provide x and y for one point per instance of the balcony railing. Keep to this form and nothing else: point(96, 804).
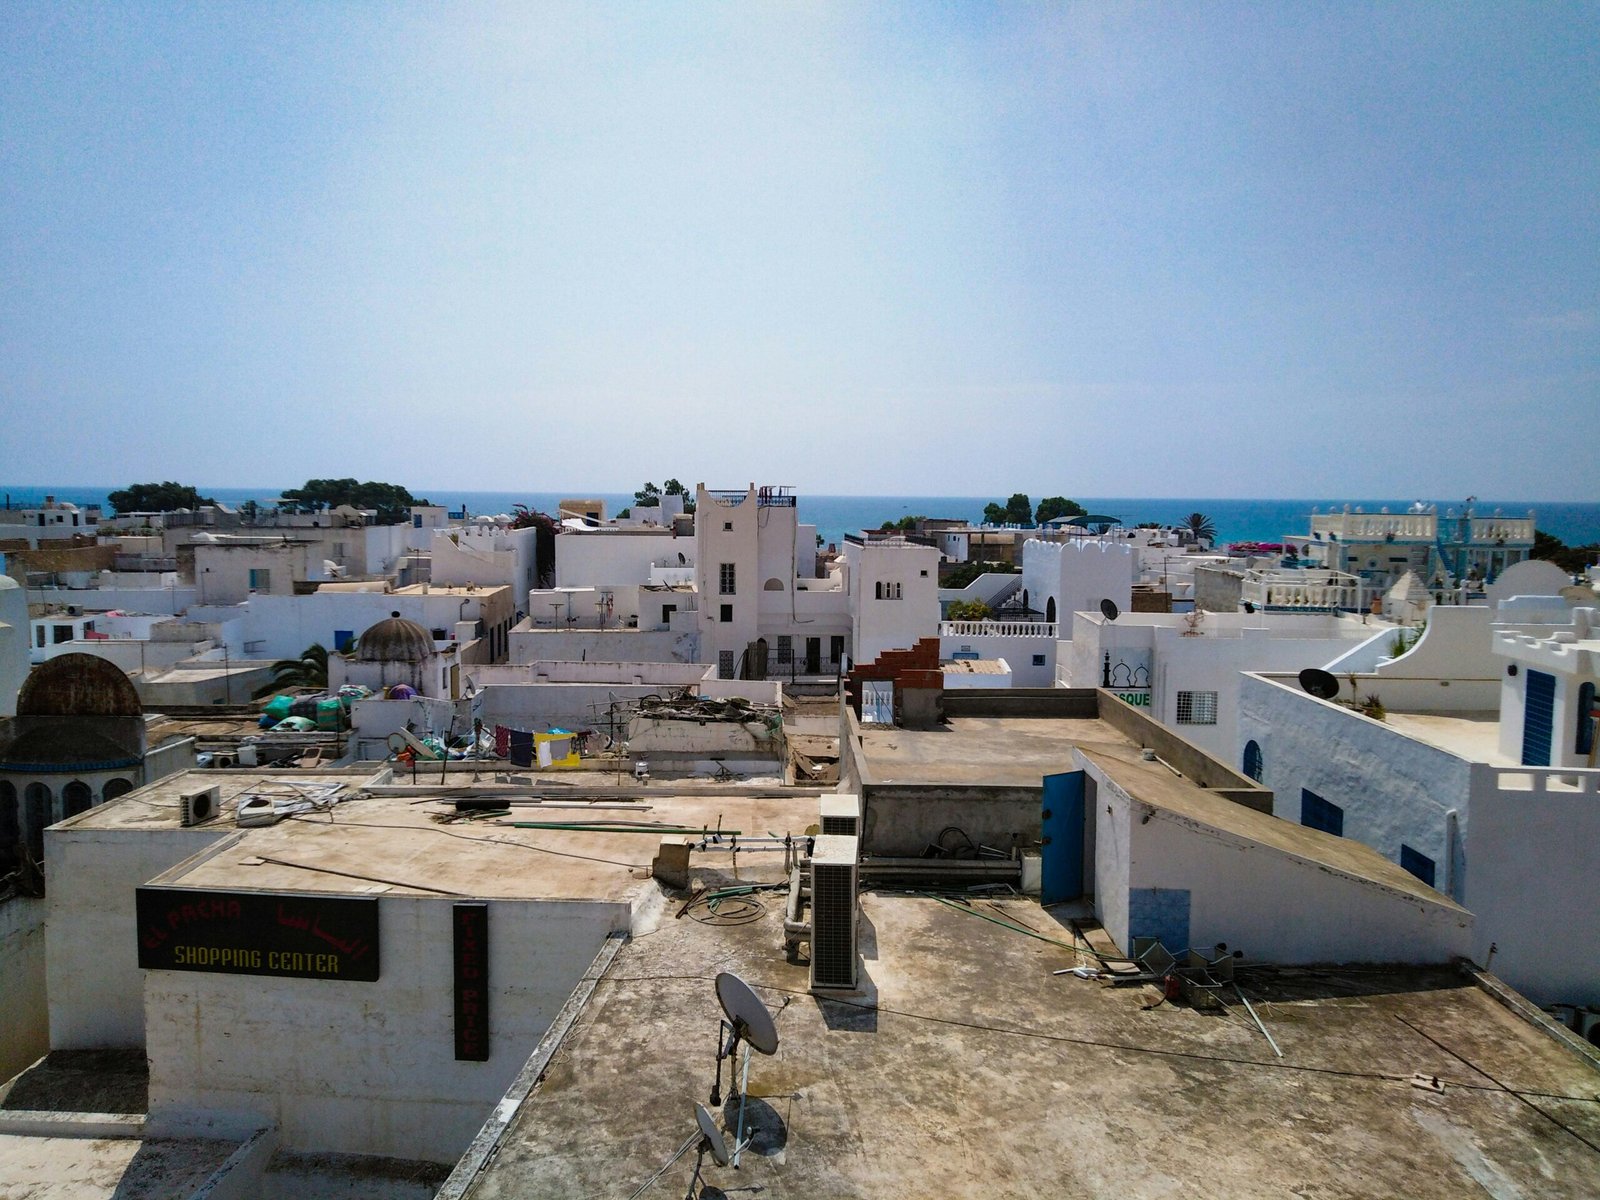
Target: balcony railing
point(1038, 629)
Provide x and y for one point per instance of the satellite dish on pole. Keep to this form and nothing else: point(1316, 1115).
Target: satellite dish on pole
point(746, 1020)
point(711, 1139)
point(1319, 683)
point(1109, 610)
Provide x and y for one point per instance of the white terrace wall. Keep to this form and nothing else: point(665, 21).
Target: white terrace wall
point(1533, 881)
point(366, 1068)
point(1018, 643)
point(1394, 790)
point(1271, 904)
point(91, 939)
point(530, 645)
point(608, 558)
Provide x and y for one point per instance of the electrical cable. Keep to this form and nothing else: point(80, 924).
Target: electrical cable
point(1125, 1047)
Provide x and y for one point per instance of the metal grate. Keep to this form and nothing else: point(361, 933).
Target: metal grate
point(1197, 708)
point(833, 924)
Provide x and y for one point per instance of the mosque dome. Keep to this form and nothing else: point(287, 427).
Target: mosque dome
point(394, 639)
point(78, 685)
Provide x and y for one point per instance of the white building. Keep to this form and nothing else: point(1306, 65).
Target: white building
point(487, 555)
point(1382, 546)
point(54, 521)
point(1184, 668)
point(1462, 761)
point(15, 643)
point(894, 594)
point(1063, 578)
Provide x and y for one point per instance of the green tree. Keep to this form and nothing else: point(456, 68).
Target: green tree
point(310, 670)
point(544, 542)
point(1052, 507)
point(649, 496)
point(967, 610)
point(391, 502)
point(994, 514)
point(1574, 560)
point(156, 497)
point(1199, 527)
point(903, 525)
point(673, 488)
point(1019, 509)
point(966, 572)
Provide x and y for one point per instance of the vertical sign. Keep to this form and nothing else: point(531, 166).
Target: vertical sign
point(470, 924)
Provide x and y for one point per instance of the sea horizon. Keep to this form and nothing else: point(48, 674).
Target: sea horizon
point(1237, 519)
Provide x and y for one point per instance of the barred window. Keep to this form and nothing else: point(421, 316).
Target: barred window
point(725, 579)
point(1197, 708)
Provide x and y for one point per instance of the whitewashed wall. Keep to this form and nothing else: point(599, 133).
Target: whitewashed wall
point(607, 558)
point(1077, 575)
point(367, 1068)
point(15, 635)
point(25, 1028)
point(95, 984)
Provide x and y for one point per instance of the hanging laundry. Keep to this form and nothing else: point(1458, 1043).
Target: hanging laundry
point(545, 757)
point(521, 748)
point(502, 741)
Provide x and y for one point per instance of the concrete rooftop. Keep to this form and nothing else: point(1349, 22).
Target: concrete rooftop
point(384, 838)
point(967, 1069)
point(1472, 736)
point(1016, 751)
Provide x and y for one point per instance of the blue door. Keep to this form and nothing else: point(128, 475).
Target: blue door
point(1061, 857)
point(1537, 718)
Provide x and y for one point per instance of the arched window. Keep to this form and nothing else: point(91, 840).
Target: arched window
point(772, 585)
point(1252, 760)
point(36, 814)
point(116, 787)
point(10, 825)
point(1585, 740)
point(1024, 599)
point(76, 797)
point(1050, 610)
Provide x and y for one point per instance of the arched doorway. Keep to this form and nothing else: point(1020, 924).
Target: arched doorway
point(1050, 611)
point(1252, 760)
point(1025, 607)
point(76, 797)
point(116, 787)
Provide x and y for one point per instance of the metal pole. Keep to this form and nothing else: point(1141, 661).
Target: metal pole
point(744, 1088)
point(1257, 1020)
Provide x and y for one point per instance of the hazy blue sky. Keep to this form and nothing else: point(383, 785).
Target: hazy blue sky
point(1204, 250)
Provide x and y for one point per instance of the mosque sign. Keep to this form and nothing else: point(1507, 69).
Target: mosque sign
point(258, 933)
point(1126, 671)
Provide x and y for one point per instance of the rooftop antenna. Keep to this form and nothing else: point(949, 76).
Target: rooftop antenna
point(746, 1020)
point(1319, 683)
point(1109, 610)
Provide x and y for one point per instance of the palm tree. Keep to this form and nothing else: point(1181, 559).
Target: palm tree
point(310, 670)
point(1199, 527)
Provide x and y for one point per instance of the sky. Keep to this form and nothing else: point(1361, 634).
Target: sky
point(1229, 250)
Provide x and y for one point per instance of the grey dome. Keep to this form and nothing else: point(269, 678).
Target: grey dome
point(394, 639)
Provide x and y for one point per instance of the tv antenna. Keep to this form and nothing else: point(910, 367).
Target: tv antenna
point(746, 1020)
point(1319, 683)
point(1109, 610)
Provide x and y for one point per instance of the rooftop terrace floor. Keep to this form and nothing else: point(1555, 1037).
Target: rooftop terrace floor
point(965, 1068)
point(1016, 751)
point(1472, 736)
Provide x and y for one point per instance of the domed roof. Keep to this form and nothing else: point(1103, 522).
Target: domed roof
point(394, 639)
point(78, 685)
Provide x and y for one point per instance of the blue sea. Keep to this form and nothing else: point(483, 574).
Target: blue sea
point(834, 516)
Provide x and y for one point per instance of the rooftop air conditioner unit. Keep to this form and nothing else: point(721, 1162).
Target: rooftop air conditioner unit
point(841, 814)
point(834, 879)
point(1588, 1027)
point(196, 808)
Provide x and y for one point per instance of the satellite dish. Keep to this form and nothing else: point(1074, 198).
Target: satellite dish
point(1319, 683)
point(747, 1014)
point(1109, 610)
point(712, 1142)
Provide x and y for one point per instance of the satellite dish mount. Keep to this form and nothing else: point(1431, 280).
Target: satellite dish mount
point(745, 1020)
point(1109, 610)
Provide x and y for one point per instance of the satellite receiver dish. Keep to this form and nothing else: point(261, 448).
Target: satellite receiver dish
point(746, 1020)
point(747, 1014)
point(1319, 683)
point(1109, 610)
point(712, 1142)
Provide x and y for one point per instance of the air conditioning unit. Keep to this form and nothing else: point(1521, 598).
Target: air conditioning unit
point(834, 879)
point(196, 808)
point(1588, 1027)
point(841, 814)
point(1565, 1015)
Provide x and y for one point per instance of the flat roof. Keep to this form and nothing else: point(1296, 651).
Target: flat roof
point(383, 838)
point(966, 1068)
point(1472, 736)
point(1014, 751)
point(974, 666)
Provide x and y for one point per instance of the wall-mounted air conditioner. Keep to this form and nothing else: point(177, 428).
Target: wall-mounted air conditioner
point(834, 879)
point(841, 814)
point(196, 808)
